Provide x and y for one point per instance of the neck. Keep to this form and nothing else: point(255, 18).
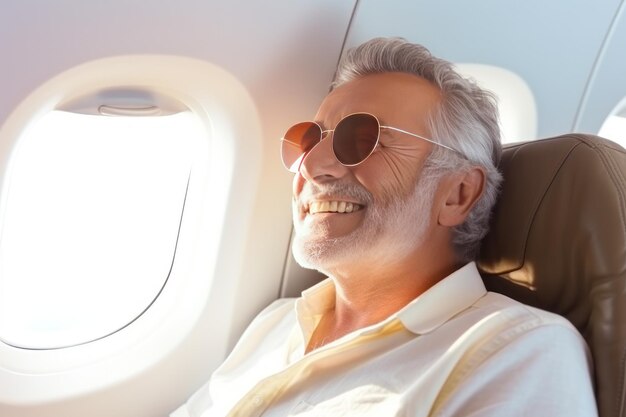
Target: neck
point(371, 294)
point(367, 293)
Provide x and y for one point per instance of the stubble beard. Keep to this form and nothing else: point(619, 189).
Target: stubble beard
point(389, 230)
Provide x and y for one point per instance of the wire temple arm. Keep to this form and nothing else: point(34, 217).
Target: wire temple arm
point(423, 138)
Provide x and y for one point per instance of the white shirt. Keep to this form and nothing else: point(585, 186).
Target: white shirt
point(456, 350)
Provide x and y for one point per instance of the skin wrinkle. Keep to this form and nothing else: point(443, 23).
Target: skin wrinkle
point(398, 168)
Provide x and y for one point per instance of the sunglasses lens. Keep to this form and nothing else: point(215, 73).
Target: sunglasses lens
point(299, 140)
point(355, 138)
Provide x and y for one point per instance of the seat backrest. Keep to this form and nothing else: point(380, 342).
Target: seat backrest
point(558, 242)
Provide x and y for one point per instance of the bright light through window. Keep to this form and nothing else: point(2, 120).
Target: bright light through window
point(89, 224)
point(614, 128)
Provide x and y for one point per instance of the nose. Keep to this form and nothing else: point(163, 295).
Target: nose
point(320, 164)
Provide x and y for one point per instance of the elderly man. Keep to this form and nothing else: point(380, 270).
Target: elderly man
point(394, 183)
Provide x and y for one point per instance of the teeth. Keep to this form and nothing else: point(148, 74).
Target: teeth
point(332, 207)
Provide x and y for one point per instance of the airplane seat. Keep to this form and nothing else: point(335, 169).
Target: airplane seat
point(558, 242)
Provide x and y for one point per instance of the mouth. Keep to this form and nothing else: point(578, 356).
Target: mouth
point(316, 207)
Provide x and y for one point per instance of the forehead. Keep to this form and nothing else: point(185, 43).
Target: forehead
point(391, 96)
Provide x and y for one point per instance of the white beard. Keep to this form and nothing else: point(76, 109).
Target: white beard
point(389, 230)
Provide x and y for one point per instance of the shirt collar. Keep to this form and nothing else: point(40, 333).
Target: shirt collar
point(315, 301)
point(437, 305)
point(444, 300)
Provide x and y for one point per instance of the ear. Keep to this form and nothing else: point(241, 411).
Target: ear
point(460, 193)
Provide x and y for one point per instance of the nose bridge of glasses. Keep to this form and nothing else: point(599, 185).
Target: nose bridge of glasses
point(321, 160)
point(320, 143)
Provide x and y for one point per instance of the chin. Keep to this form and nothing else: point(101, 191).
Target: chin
point(377, 242)
point(314, 254)
point(324, 254)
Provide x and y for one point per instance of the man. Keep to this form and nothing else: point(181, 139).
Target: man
point(393, 186)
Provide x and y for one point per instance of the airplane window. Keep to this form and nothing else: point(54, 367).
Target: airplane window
point(89, 224)
point(516, 101)
point(614, 127)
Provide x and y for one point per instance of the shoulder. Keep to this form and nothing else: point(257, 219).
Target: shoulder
point(494, 303)
point(538, 355)
point(523, 331)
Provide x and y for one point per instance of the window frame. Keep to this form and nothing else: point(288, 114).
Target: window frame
point(211, 236)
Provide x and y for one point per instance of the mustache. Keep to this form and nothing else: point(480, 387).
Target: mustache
point(335, 190)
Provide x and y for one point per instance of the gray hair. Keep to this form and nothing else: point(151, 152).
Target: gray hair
point(466, 120)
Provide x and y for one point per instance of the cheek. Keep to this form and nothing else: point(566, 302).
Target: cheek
point(389, 175)
point(297, 185)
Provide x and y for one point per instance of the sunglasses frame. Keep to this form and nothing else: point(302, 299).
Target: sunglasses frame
point(324, 133)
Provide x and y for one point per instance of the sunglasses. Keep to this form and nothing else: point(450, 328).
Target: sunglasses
point(354, 139)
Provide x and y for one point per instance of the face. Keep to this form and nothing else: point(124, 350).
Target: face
point(372, 211)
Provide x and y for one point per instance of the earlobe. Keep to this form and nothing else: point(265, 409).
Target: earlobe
point(461, 192)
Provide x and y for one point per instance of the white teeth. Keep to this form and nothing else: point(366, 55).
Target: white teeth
point(332, 207)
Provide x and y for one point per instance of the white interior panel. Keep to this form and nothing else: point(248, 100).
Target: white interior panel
point(516, 102)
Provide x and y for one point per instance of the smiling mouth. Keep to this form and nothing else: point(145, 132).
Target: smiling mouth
point(333, 207)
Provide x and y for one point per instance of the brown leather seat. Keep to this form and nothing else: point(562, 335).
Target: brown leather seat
point(558, 242)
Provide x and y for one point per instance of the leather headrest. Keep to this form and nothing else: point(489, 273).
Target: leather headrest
point(558, 241)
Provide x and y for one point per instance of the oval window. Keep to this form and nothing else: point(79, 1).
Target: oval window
point(614, 127)
point(89, 223)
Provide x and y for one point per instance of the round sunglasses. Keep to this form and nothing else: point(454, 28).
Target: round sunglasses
point(354, 139)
